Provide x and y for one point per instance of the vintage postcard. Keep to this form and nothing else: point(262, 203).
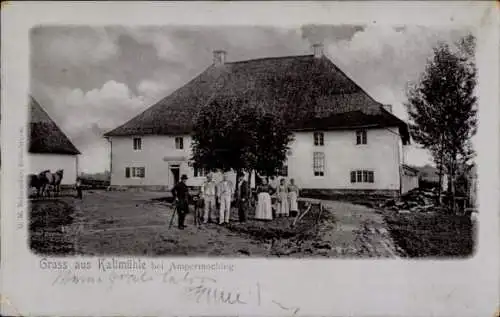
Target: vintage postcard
point(247, 158)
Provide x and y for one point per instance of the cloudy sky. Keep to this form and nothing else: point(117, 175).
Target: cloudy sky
point(91, 80)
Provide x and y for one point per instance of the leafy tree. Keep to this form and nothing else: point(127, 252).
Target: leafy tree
point(442, 107)
point(273, 137)
point(234, 134)
point(212, 127)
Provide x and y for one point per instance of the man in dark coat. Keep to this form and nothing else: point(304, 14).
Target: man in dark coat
point(181, 199)
point(242, 195)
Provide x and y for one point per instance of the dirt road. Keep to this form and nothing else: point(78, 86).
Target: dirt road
point(125, 223)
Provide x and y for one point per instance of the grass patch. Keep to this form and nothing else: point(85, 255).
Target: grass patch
point(47, 220)
point(431, 235)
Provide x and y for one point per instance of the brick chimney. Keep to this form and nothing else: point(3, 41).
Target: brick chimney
point(317, 50)
point(219, 57)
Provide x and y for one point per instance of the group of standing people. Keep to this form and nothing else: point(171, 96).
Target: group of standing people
point(226, 193)
point(223, 192)
point(286, 199)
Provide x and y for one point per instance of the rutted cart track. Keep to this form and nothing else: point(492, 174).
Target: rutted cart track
point(121, 223)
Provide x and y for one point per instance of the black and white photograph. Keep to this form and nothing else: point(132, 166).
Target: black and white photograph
point(236, 158)
point(337, 141)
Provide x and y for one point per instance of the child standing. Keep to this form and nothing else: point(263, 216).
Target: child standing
point(78, 186)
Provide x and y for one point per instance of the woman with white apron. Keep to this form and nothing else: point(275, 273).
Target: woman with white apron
point(263, 210)
point(282, 209)
point(293, 194)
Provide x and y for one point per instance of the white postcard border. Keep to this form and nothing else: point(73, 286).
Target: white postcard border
point(316, 287)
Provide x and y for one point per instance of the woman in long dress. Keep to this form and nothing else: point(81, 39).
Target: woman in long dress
point(282, 208)
point(264, 211)
point(293, 194)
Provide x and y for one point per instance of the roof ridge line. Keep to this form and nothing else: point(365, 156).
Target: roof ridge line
point(267, 58)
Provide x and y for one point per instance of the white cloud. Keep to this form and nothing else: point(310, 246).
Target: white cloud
point(107, 106)
point(85, 116)
point(152, 89)
point(160, 38)
point(383, 60)
point(77, 46)
point(95, 156)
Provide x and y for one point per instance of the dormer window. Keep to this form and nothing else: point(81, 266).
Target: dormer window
point(137, 143)
point(179, 143)
point(361, 137)
point(319, 138)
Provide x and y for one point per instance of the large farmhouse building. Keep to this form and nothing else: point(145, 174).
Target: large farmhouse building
point(344, 140)
point(49, 148)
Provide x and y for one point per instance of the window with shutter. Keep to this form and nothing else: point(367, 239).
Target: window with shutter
point(141, 172)
point(365, 176)
point(362, 176)
point(135, 172)
point(371, 177)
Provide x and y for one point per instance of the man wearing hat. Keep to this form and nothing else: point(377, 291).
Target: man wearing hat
point(181, 199)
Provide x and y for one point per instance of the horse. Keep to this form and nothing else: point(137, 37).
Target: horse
point(34, 182)
point(56, 181)
point(46, 179)
point(39, 181)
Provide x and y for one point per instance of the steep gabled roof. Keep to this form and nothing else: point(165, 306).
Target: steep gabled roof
point(45, 135)
point(305, 85)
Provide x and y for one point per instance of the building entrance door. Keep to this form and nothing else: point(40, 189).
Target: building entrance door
point(175, 174)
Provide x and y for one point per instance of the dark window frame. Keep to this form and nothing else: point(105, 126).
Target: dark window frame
point(361, 137)
point(319, 138)
point(362, 176)
point(199, 172)
point(283, 171)
point(179, 143)
point(134, 172)
point(319, 163)
point(353, 176)
point(137, 143)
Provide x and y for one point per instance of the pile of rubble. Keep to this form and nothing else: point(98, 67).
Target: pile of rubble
point(416, 200)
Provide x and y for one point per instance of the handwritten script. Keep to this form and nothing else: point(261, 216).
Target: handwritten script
point(199, 288)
